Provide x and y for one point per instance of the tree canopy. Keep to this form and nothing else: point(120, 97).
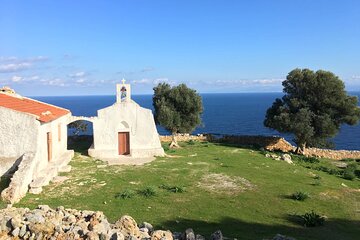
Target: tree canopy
point(313, 108)
point(178, 109)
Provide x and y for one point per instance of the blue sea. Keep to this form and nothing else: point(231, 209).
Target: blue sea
point(233, 113)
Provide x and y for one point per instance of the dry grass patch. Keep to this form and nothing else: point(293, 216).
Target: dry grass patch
point(221, 183)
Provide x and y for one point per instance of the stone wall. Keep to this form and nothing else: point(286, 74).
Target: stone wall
point(185, 137)
point(270, 143)
point(21, 179)
point(332, 154)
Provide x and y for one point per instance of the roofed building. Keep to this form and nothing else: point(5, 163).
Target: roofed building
point(33, 140)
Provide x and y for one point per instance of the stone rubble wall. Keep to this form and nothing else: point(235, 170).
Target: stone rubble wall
point(184, 137)
point(270, 143)
point(21, 179)
point(64, 224)
point(332, 154)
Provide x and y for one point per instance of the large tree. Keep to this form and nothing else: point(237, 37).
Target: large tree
point(178, 109)
point(313, 108)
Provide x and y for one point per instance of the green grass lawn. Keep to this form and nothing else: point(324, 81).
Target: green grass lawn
point(236, 190)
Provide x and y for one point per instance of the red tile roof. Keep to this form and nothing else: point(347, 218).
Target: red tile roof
point(44, 112)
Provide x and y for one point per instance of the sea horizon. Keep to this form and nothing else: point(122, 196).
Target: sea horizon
point(147, 94)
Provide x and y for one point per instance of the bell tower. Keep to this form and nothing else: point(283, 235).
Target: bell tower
point(123, 92)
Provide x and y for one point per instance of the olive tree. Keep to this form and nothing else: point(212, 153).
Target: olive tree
point(313, 108)
point(178, 109)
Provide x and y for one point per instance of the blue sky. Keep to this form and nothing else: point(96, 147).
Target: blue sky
point(86, 47)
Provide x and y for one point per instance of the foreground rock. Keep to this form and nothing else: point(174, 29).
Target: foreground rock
point(63, 224)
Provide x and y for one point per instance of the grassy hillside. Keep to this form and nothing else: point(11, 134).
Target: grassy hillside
point(209, 186)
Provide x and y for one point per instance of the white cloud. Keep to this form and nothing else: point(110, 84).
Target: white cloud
point(15, 64)
point(8, 59)
point(33, 78)
point(80, 80)
point(263, 81)
point(37, 59)
point(142, 81)
point(14, 67)
point(77, 74)
point(147, 69)
point(148, 81)
point(58, 82)
point(16, 78)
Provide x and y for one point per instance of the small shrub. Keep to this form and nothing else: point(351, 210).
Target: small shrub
point(316, 183)
point(147, 192)
point(349, 174)
point(306, 159)
point(174, 189)
point(350, 171)
point(125, 194)
point(191, 142)
point(312, 219)
point(166, 147)
point(357, 173)
point(317, 177)
point(328, 170)
point(352, 166)
point(311, 160)
point(299, 196)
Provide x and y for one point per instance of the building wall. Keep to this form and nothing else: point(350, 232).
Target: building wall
point(125, 117)
point(18, 133)
point(59, 141)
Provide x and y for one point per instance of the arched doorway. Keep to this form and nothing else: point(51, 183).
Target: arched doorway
point(80, 136)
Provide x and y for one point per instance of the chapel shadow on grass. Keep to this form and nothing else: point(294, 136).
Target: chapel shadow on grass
point(234, 228)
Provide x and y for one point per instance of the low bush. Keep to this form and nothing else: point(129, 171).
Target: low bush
point(317, 177)
point(147, 192)
point(329, 170)
point(174, 189)
point(351, 171)
point(299, 196)
point(311, 160)
point(349, 174)
point(312, 219)
point(306, 159)
point(191, 142)
point(125, 194)
point(316, 183)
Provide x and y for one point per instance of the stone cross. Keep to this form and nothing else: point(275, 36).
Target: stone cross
point(123, 81)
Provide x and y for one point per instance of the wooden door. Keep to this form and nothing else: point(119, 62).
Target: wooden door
point(123, 143)
point(49, 146)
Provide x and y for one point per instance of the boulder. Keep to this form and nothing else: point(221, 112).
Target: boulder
point(282, 237)
point(199, 237)
point(217, 235)
point(287, 158)
point(128, 226)
point(147, 225)
point(117, 235)
point(161, 235)
point(189, 234)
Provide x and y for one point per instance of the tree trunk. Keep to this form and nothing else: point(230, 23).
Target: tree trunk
point(301, 149)
point(174, 143)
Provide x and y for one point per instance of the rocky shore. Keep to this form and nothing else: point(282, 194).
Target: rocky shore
point(65, 224)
